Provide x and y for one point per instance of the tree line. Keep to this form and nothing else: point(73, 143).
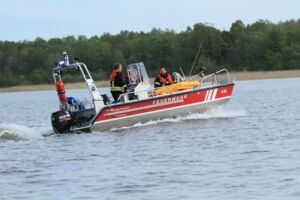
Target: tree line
point(262, 45)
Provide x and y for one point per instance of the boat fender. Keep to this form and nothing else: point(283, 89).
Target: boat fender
point(60, 88)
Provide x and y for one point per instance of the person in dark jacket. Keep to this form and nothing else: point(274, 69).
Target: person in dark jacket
point(163, 78)
point(117, 82)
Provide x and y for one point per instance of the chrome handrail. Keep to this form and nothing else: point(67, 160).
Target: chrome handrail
point(214, 76)
point(151, 90)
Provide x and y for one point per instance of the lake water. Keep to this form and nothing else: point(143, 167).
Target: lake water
point(246, 149)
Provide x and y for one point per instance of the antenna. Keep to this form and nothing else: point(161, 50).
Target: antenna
point(182, 72)
point(196, 58)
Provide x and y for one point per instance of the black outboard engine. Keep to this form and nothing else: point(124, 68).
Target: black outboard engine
point(61, 121)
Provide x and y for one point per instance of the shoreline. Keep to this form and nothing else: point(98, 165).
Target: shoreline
point(239, 76)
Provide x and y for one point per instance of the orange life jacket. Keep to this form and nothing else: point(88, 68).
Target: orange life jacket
point(114, 86)
point(113, 74)
point(164, 81)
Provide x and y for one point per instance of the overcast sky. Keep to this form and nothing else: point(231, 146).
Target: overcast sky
point(28, 19)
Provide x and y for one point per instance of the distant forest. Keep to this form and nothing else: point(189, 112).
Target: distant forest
point(259, 46)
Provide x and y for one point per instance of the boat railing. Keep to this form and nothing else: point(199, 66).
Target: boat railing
point(128, 96)
point(214, 78)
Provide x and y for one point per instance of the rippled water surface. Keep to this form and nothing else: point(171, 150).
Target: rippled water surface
point(246, 149)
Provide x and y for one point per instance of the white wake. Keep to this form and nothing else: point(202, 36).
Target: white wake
point(218, 112)
point(18, 132)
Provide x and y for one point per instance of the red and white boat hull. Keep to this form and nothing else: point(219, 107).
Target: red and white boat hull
point(158, 107)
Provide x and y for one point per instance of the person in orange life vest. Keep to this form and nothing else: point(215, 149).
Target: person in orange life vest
point(117, 82)
point(163, 78)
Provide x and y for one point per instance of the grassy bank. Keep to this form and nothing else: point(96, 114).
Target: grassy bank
point(50, 86)
point(237, 75)
point(265, 75)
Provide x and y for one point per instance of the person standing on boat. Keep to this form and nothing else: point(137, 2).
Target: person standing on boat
point(163, 78)
point(117, 82)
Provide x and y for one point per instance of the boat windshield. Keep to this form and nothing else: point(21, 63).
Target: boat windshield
point(137, 73)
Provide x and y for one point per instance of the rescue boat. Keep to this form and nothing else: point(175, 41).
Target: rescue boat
point(141, 103)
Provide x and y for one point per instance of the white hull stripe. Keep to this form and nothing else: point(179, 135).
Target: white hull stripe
point(156, 111)
point(207, 95)
point(211, 94)
point(214, 94)
point(143, 108)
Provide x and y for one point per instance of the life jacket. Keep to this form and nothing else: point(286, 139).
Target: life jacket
point(164, 80)
point(113, 74)
point(115, 87)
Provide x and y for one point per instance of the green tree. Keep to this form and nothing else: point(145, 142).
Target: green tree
point(259, 46)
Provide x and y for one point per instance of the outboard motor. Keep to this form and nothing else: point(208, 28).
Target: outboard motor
point(61, 121)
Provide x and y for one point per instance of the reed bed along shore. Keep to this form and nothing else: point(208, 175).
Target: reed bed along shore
point(237, 75)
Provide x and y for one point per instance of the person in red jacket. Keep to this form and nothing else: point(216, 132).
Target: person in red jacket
point(163, 78)
point(117, 82)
